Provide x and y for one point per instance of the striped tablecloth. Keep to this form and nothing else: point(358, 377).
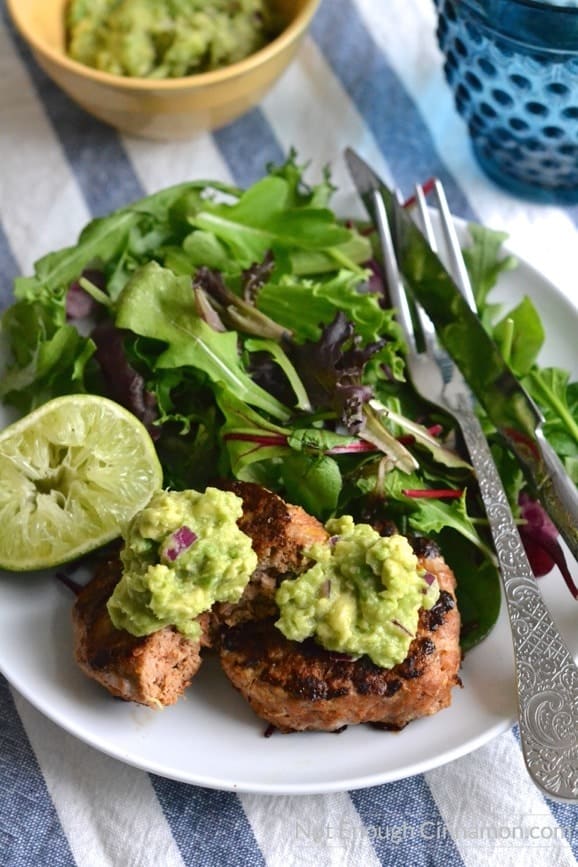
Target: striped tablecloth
point(368, 76)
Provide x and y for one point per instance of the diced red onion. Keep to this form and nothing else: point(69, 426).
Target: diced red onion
point(429, 578)
point(181, 540)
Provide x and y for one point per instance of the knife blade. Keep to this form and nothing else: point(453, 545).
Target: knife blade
point(507, 403)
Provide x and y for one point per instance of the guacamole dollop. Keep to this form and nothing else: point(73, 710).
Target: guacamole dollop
point(362, 595)
point(165, 38)
point(181, 554)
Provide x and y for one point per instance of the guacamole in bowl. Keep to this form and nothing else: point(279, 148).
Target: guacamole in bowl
point(160, 39)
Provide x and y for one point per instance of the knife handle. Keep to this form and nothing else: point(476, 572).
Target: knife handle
point(546, 675)
point(559, 494)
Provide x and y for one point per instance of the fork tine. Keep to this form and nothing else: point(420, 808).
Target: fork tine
point(392, 273)
point(425, 224)
point(424, 217)
point(423, 362)
point(456, 259)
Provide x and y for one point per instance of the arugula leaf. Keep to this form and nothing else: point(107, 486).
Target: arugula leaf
point(204, 248)
point(484, 261)
point(520, 336)
point(156, 303)
point(280, 357)
point(478, 588)
point(102, 240)
point(27, 325)
point(261, 221)
point(56, 368)
point(190, 461)
point(432, 516)
point(305, 306)
point(301, 194)
point(348, 255)
point(314, 482)
point(558, 400)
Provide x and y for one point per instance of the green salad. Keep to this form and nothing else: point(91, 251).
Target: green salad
point(250, 331)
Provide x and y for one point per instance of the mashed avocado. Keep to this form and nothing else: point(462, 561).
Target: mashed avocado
point(181, 554)
point(362, 596)
point(165, 38)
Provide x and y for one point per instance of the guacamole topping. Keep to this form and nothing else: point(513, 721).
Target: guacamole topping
point(181, 554)
point(165, 38)
point(362, 596)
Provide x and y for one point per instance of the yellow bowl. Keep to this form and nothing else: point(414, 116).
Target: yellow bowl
point(168, 109)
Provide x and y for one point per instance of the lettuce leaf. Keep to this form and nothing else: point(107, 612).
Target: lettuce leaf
point(156, 303)
point(485, 260)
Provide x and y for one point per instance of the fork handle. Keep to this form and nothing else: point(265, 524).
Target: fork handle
point(546, 675)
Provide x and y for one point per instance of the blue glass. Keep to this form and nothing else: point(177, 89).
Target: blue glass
point(513, 69)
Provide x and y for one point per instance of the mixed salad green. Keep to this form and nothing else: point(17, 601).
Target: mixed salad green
point(250, 331)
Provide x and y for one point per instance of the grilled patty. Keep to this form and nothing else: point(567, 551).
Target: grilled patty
point(295, 686)
point(280, 533)
point(298, 686)
point(153, 670)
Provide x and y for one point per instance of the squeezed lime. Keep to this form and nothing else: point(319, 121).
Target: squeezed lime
point(72, 475)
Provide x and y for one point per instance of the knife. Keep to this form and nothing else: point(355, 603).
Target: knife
point(508, 405)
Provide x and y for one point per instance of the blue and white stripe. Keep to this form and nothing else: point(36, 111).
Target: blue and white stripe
point(368, 76)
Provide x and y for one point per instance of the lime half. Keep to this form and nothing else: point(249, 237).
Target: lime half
point(72, 475)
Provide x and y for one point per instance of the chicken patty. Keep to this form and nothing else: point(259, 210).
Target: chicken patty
point(295, 686)
point(280, 533)
point(298, 686)
point(153, 670)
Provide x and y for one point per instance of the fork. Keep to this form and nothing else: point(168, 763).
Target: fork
point(545, 673)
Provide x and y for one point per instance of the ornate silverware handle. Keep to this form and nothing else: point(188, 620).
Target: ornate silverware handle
point(546, 675)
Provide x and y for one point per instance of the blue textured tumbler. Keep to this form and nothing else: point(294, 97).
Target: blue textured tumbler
point(513, 69)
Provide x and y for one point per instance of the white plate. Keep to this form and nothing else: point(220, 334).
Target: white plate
point(211, 737)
